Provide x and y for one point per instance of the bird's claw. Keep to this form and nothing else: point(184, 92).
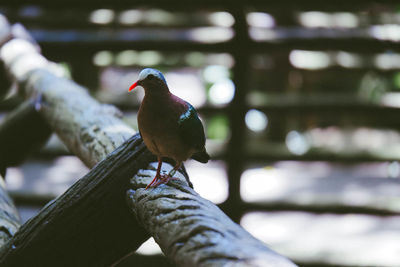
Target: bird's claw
point(163, 179)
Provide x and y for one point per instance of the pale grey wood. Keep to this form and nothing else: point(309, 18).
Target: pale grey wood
point(90, 224)
point(9, 217)
point(191, 230)
point(89, 129)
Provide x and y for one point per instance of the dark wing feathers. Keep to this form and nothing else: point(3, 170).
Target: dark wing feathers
point(202, 156)
point(191, 129)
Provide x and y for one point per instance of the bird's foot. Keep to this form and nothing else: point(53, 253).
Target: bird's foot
point(163, 179)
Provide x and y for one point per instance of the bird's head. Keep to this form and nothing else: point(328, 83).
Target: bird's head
point(150, 79)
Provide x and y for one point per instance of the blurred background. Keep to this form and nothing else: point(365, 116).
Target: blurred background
point(301, 105)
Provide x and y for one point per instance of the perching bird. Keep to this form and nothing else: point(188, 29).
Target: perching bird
point(169, 126)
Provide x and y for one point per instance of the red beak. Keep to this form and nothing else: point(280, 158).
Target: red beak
point(133, 86)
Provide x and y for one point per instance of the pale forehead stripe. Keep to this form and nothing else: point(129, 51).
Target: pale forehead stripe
point(144, 73)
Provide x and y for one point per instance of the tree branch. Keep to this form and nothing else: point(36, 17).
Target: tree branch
point(90, 224)
point(89, 129)
point(192, 231)
point(9, 217)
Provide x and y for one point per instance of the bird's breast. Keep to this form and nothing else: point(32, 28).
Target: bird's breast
point(158, 125)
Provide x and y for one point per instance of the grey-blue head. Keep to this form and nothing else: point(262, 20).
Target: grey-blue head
point(148, 72)
point(150, 78)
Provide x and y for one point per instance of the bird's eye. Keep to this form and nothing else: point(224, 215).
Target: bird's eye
point(150, 77)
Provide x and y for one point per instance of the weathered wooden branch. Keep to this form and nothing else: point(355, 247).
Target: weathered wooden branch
point(9, 217)
point(92, 223)
point(192, 231)
point(89, 129)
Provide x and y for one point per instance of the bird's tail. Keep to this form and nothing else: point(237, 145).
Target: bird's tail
point(201, 156)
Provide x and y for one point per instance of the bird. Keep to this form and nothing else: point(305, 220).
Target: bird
point(169, 126)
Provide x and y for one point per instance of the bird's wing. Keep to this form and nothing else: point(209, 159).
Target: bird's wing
point(191, 129)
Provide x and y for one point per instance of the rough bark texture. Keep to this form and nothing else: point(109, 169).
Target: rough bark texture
point(9, 218)
point(89, 129)
point(192, 231)
point(90, 224)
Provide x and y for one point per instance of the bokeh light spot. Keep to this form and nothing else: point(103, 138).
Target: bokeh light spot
point(260, 19)
point(102, 16)
point(222, 19)
point(129, 17)
point(218, 128)
point(310, 59)
point(297, 143)
point(222, 92)
point(126, 58)
point(256, 120)
point(215, 73)
point(103, 58)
